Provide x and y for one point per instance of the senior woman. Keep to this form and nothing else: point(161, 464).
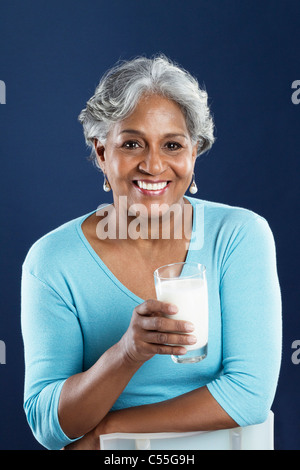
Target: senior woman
point(97, 342)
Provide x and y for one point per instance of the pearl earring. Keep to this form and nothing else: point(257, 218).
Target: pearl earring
point(193, 188)
point(106, 185)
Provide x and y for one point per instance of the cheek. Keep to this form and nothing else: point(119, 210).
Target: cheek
point(185, 167)
point(115, 168)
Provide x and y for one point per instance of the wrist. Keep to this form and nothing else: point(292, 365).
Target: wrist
point(127, 361)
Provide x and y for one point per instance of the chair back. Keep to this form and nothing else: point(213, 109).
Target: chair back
point(254, 437)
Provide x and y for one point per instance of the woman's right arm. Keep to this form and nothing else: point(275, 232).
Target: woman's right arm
point(61, 401)
point(94, 391)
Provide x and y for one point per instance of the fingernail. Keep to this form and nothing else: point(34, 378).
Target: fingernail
point(189, 326)
point(192, 339)
point(173, 309)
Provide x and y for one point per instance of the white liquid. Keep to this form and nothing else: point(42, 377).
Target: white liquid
point(190, 296)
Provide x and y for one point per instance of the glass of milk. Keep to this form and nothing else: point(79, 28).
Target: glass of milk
point(185, 285)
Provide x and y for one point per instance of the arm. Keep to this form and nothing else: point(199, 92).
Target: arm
point(95, 390)
point(193, 411)
point(55, 386)
point(251, 323)
point(53, 347)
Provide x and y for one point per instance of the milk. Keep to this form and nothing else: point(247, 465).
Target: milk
point(190, 296)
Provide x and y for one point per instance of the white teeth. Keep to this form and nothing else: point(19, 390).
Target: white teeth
point(152, 186)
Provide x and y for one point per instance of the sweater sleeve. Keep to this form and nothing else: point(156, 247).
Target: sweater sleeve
point(53, 351)
point(251, 325)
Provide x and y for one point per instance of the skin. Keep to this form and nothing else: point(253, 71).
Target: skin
point(153, 143)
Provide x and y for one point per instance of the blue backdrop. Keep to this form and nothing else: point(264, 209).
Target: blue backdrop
point(52, 55)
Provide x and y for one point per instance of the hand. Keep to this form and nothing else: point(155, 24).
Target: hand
point(150, 332)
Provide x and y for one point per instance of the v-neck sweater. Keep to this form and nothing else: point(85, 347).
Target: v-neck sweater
point(73, 309)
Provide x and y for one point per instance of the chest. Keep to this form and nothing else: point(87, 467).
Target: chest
point(136, 272)
point(132, 264)
point(135, 276)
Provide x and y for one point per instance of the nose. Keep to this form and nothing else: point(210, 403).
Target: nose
point(152, 163)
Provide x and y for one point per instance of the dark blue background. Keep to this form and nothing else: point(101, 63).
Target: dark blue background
point(52, 56)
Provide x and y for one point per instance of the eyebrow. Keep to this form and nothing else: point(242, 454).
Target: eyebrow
point(170, 134)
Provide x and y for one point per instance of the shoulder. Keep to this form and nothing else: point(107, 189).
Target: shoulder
point(230, 225)
point(233, 217)
point(54, 248)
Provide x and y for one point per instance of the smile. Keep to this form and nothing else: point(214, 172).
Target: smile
point(152, 186)
point(155, 188)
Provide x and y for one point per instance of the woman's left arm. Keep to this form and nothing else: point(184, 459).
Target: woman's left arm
point(193, 411)
point(250, 302)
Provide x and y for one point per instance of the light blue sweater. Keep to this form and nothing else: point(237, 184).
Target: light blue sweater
point(74, 308)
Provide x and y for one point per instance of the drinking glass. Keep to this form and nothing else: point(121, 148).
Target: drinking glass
point(185, 285)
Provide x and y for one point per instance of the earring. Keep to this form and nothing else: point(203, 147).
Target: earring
point(106, 185)
point(193, 188)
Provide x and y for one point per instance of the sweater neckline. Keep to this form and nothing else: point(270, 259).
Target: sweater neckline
point(105, 268)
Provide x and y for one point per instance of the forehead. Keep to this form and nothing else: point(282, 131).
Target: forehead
point(154, 112)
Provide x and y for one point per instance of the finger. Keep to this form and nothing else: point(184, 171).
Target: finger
point(159, 323)
point(165, 349)
point(169, 338)
point(151, 306)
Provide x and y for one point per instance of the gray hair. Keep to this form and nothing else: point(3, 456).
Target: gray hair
point(122, 86)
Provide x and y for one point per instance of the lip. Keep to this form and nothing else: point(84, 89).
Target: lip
point(151, 192)
point(152, 181)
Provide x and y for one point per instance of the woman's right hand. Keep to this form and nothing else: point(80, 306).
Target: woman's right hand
point(150, 332)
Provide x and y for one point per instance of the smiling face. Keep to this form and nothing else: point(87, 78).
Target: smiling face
point(149, 156)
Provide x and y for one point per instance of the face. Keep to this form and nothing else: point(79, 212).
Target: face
point(149, 156)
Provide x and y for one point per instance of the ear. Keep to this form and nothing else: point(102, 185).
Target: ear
point(100, 153)
point(195, 151)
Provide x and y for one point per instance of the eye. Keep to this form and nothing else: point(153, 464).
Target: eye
point(173, 146)
point(131, 144)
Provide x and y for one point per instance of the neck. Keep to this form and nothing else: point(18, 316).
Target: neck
point(139, 227)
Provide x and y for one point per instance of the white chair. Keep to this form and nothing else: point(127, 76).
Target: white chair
point(254, 437)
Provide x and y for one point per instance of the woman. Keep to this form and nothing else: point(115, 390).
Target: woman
point(97, 343)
